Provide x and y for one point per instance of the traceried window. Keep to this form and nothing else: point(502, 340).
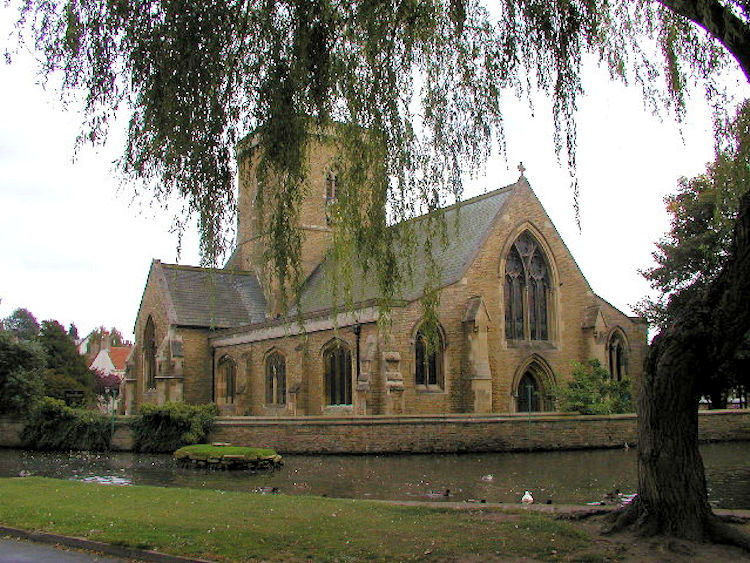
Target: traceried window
point(275, 379)
point(527, 291)
point(337, 361)
point(617, 356)
point(149, 354)
point(428, 361)
point(228, 370)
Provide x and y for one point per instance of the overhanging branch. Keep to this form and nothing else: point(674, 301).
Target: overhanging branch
point(721, 23)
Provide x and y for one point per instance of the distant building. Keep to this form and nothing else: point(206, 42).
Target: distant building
point(110, 360)
point(515, 310)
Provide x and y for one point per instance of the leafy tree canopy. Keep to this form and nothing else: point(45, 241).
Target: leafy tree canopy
point(22, 324)
point(66, 368)
point(424, 79)
point(703, 212)
point(21, 374)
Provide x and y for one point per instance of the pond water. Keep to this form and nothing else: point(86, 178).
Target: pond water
point(562, 477)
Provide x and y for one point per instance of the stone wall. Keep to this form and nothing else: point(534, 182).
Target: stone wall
point(426, 434)
point(456, 433)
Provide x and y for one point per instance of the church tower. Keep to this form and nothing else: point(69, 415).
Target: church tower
point(318, 194)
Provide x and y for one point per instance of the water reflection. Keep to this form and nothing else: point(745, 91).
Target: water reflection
point(562, 477)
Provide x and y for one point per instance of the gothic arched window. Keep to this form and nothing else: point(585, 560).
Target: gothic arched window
point(526, 291)
point(337, 360)
point(228, 371)
point(428, 361)
point(275, 379)
point(617, 356)
point(149, 353)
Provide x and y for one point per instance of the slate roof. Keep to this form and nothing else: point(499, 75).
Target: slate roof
point(208, 297)
point(464, 240)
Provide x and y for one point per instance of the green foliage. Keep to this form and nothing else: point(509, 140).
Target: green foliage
point(166, 428)
point(21, 374)
point(53, 425)
point(593, 391)
point(22, 324)
point(420, 86)
point(703, 214)
point(66, 368)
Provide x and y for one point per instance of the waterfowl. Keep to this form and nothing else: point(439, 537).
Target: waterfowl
point(527, 498)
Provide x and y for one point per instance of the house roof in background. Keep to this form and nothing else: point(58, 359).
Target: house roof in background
point(119, 355)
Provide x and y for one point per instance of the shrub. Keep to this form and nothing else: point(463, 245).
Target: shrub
point(168, 427)
point(21, 374)
point(593, 391)
point(53, 425)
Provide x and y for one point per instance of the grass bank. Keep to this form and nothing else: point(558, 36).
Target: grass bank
point(230, 526)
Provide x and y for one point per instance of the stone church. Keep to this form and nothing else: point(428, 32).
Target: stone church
point(514, 311)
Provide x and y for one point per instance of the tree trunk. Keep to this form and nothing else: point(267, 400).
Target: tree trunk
point(672, 496)
point(709, 329)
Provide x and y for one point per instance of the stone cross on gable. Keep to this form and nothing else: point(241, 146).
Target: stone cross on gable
point(521, 168)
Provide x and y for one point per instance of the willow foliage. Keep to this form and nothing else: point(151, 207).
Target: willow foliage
point(419, 85)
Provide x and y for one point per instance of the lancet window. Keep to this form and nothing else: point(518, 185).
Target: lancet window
point(617, 355)
point(332, 186)
point(428, 361)
point(149, 354)
point(275, 379)
point(228, 369)
point(337, 361)
point(527, 290)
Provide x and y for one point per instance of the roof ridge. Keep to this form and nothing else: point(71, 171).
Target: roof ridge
point(189, 268)
point(459, 204)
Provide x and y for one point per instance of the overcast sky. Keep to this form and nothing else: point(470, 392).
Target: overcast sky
point(75, 249)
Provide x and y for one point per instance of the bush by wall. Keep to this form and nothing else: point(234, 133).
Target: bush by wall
point(54, 426)
point(593, 391)
point(168, 427)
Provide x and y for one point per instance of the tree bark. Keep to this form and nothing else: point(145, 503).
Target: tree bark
point(703, 341)
point(672, 495)
point(708, 330)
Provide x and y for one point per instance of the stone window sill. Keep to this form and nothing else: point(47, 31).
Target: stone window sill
point(534, 344)
point(432, 389)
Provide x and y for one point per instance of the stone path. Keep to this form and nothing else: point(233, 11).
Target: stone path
point(13, 550)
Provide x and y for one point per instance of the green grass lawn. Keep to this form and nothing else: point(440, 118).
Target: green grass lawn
point(231, 526)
